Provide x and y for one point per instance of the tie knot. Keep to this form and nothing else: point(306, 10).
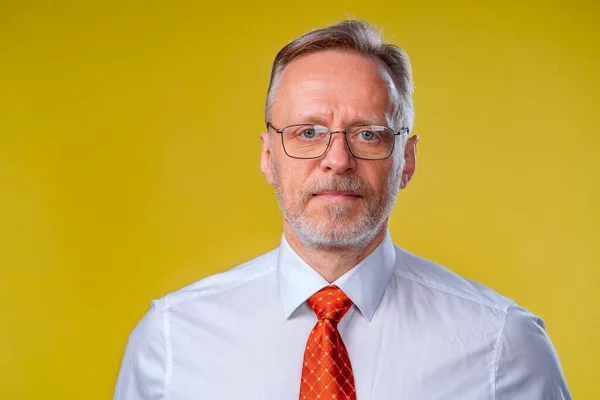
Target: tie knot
point(330, 303)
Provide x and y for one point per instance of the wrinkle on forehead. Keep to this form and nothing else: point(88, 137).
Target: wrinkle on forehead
point(333, 86)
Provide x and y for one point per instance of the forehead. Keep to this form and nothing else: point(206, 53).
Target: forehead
point(332, 86)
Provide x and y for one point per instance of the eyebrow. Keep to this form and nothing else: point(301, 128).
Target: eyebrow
point(317, 120)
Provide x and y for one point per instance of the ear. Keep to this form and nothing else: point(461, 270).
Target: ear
point(265, 157)
point(410, 161)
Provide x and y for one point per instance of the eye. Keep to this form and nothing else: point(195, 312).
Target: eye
point(308, 133)
point(367, 135)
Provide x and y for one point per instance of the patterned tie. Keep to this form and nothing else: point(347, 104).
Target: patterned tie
point(327, 373)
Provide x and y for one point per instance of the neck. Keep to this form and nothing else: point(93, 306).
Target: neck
point(331, 263)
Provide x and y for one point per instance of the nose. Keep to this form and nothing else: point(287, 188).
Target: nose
point(338, 158)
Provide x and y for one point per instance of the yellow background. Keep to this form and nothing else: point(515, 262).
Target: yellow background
point(129, 164)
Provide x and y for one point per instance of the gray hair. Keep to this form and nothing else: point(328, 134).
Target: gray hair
point(363, 38)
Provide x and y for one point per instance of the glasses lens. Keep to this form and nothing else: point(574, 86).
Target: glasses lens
point(305, 141)
point(371, 141)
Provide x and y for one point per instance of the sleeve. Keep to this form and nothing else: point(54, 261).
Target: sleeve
point(143, 371)
point(527, 366)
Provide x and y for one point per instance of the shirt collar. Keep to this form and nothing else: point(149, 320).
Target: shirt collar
point(364, 284)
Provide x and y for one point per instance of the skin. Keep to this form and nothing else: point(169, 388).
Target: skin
point(315, 88)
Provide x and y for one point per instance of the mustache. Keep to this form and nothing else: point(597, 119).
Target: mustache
point(345, 183)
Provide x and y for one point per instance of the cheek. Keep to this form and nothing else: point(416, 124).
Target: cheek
point(293, 177)
point(378, 179)
point(294, 173)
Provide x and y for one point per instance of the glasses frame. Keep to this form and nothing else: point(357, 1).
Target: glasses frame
point(345, 132)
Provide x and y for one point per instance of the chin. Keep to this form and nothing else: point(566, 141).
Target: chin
point(331, 239)
point(337, 213)
point(323, 226)
point(340, 232)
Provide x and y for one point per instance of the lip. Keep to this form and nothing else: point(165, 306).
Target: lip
point(336, 195)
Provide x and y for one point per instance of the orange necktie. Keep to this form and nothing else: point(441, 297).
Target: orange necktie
point(327, 373)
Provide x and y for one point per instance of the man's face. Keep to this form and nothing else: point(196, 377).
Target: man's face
point(336, 200)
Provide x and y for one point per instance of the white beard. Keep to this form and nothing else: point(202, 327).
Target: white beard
point(337, 229)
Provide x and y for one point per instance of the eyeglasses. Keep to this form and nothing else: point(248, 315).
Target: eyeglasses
point(368, 142)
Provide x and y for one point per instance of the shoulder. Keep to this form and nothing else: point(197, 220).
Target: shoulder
point(446, 282)
point(231, 279)
point(143, 372)
point(146, 365)
point(526, 362)
point(151, 332)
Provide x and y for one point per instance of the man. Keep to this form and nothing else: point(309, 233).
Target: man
point(338, 311)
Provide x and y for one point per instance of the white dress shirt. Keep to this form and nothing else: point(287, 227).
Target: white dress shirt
point(416, 331)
